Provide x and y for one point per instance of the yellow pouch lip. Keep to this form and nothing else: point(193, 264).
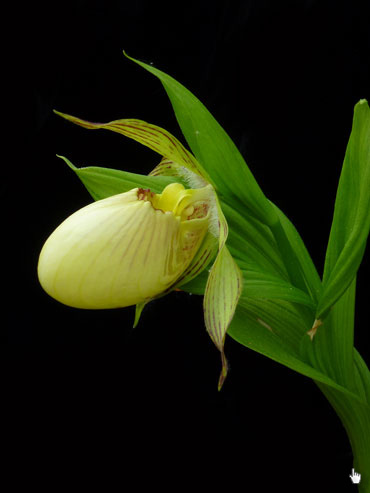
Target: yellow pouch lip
point(183, 203)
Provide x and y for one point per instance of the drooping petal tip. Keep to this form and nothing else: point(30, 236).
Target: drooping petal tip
point(224, 370)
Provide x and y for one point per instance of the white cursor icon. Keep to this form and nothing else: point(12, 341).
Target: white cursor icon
point(355, 477)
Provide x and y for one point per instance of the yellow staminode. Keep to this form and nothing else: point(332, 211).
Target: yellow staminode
point(125, 249)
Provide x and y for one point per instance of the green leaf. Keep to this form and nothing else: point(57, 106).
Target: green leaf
point(255, 249)
point(351, 221)
point(214, 149)
point(274, 329)
point(331, 348)
point(251, 242)
point(332, 353)
point(362, 377)
point(261, 286)
point(308, 272)
point(234, 181)
point(105, 182)
point(264, 286)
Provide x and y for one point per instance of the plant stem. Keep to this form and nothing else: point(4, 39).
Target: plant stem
point(355, 417)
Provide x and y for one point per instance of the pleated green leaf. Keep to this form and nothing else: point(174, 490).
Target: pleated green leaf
point(264, 286)
point(255, 247)
point(274, 329)
point(310, 279)
point(331, 348)
point(332, 353)
point(351, 221)
point(251, 243)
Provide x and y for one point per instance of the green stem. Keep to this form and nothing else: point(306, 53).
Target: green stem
point(355, 417)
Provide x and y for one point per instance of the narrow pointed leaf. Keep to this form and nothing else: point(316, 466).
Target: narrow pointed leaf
point(351, 222)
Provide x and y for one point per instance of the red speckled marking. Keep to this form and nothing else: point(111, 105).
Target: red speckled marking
point(143, 193)
point(200, 210)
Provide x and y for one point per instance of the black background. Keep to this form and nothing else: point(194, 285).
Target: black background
point(282, 78)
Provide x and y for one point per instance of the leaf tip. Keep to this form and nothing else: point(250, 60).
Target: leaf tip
point(130, 57)
point(72, 166)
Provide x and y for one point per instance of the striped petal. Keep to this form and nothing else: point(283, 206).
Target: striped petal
point(156, 138)
point(222, 293)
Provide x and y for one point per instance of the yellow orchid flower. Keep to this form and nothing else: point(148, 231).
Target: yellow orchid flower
point(125, 249)
point(130, 248)
point(148, 235)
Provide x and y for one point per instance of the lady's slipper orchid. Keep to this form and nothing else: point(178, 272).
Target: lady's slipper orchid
point(147, 235)
point(125, 249)
point(129, 248)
